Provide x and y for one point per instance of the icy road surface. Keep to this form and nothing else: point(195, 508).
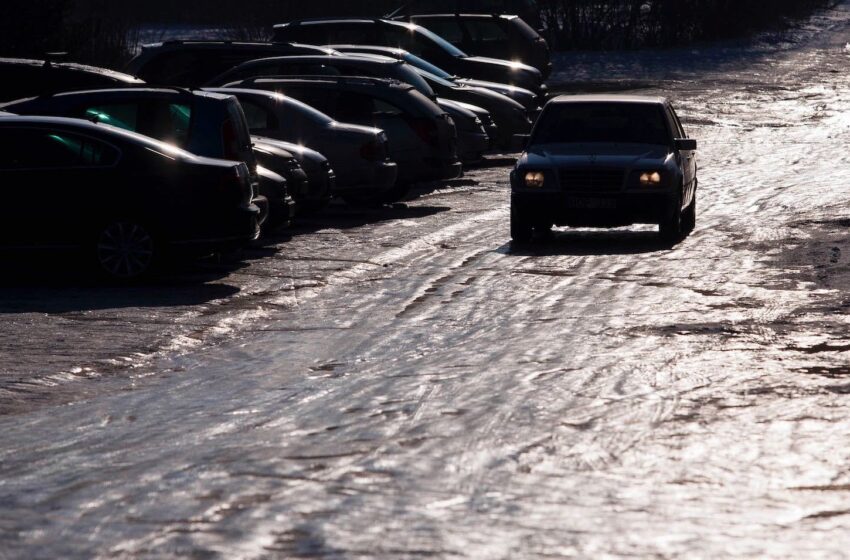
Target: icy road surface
point(403, 384)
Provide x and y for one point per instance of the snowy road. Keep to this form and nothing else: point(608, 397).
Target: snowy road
point(416, 388)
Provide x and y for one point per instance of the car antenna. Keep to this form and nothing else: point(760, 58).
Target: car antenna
point(398, 11)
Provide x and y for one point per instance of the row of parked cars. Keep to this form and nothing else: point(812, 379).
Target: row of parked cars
point(200, 146)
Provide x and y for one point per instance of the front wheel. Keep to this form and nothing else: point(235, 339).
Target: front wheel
point(670, 226)
point(689, 220)
point(125, 250)
point(521, 228)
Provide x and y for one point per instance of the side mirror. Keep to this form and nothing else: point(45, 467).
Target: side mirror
point(685, 144)
point(519, 142)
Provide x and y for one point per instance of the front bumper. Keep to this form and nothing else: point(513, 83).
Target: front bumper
point(587, 209)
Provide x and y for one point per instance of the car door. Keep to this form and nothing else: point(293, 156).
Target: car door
point(54, 179)
point(687, 158)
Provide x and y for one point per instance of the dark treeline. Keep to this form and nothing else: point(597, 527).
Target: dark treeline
point(102, 31)
point(617, 24)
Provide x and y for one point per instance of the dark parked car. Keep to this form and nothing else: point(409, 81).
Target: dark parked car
point(499, 36)
point(606, 161)
point(120, 199)
point(317, 190)
point(194, 63)
point(422, 136)
point(528, 99)
point(203, 123)
point(359, 154)
point(28, 78)
point(416, 39)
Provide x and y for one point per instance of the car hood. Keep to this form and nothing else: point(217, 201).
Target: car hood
point(522, 95)
point(455, 108)
point(309, 159)
point(603, 155)
point(354, 129)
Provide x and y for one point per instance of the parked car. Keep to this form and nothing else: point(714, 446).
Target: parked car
point(194, 63)
point(606, 161)
point(203, 123)
point(511, 117)
point(339, 65)
point(121, 200)
point(472, 137)
point(471, 144)
point(416, 39)
point(422, 136)
point(358, 154)
point(21, 78)
point(528, 99)
point(318, 187)
point(495, 35)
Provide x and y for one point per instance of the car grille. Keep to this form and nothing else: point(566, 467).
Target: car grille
point(595, 179)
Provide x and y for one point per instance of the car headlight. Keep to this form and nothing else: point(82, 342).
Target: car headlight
point(651, 178)
point(535, 179)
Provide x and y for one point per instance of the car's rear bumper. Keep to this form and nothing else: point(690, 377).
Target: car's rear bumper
point(472, 145)
point(379, 178)
point(231, 231)
point(592, 209)
point(438, 169)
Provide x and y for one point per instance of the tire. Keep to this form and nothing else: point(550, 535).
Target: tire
point(670, 227)
point(395, 194)
point(689, 220)
point(522, 229)
point(125, 251)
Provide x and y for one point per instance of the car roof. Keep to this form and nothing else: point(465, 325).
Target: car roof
point(319, 58)
point(217, 44)
point(609, 98)
point(357, 20)
point(117, 76)
point(139, 92)
point(479, 15)
point(332, 80)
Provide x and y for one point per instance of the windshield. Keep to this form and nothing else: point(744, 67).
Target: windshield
point(309, 112)
point(622, 123)
point(445, 45)
point(436, 79)
point(411, 76)
point(422, 64)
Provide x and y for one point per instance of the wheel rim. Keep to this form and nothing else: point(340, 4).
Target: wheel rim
point(125, 250)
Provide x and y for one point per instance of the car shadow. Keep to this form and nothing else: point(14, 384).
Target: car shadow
point(65, 286)
point(585, 243)
point(343, 216)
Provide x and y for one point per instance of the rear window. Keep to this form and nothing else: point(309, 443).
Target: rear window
point(486, 31)
point(524, 29)
point(447, 28)
point(627, 123)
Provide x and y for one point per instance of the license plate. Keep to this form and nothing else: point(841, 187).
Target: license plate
point(591, 203)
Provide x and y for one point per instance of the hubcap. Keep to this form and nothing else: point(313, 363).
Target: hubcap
point(125, 250)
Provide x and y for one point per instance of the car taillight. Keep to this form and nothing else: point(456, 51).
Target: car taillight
point(230, 140)
point(236, 186)
point(426, 129)
point(371, 151)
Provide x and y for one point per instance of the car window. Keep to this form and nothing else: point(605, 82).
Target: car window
point(680, 130)
point(169, 68)
point(258, 117)
point(385, 108)
point(629, 123)
point(486, 31)
point(354, 107)
point(168, 122)
point(125, 115)
point(448, 29)
point(48, 149)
